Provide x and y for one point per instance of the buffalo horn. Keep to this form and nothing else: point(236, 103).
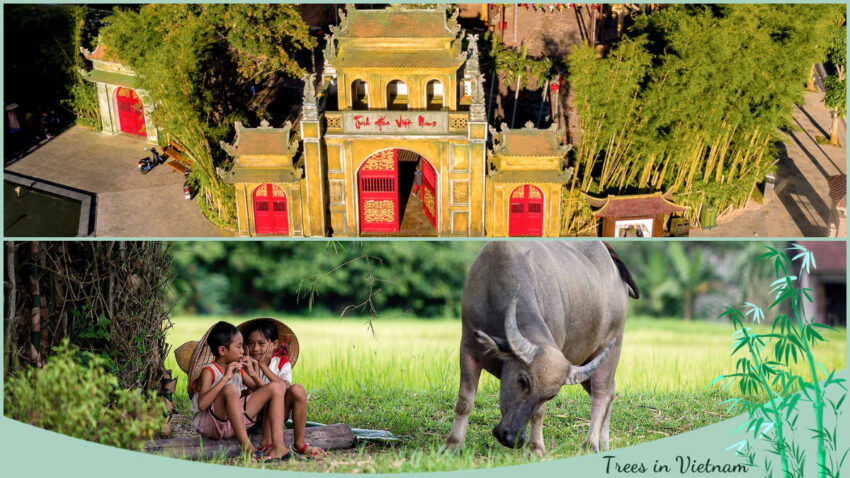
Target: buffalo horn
point(580, 374)
point(520, 346)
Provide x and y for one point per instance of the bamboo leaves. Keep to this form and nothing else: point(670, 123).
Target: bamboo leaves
point(775, 380)
point(689, 100)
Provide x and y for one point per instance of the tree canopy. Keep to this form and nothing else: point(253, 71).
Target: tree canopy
point(197, 62)
point(689, 102)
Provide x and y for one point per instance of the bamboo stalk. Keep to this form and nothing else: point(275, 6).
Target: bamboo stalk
point(11, 314)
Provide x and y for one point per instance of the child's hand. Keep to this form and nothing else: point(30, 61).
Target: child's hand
point(232, 367)
point(267, 357)
point(250, 365)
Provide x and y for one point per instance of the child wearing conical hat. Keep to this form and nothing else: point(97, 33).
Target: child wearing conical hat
point(219, 410)
point(270, 364)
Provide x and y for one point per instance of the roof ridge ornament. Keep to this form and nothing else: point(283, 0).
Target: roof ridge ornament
point(343, 20)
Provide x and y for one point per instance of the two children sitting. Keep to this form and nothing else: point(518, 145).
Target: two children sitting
point(247, 385)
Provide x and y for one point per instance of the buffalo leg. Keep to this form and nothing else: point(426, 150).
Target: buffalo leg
point(601, 398)
point(470, 372)
point(536, 442)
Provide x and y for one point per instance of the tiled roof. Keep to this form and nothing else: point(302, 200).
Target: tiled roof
point(101, 53)
point(360, 58)
point(260, 175)
point(99, 76)
point(640, 205)
point(263, 141)
point(830, 256)
point(838, 189)
point(396, 24)
point(531, 176)
point(530, 142)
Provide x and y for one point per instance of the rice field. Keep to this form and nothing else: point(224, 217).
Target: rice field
point(404, 378)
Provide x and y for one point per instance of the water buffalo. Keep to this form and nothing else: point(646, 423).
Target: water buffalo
point(540, 315)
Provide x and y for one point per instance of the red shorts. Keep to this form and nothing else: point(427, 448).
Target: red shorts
point(210, 426)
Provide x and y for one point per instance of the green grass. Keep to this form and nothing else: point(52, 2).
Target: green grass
point(405, 379)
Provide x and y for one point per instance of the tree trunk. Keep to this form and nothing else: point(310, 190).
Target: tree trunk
point(689, 306)
point(542, 100)
point(516, 99)
point(35, 312)
point(833, 130)
point(810, 85)
point(330, 437)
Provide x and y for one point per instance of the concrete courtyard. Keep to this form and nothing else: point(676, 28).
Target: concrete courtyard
point(127, 203)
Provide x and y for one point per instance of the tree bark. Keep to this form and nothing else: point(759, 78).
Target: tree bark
point(330, 437)
point(35, 311)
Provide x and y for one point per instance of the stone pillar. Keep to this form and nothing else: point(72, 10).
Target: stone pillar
point(148, 107)
point(315, 198)
point(105, 98)
point(477, 172)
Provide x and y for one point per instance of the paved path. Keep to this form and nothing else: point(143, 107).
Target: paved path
point(801, 204)
point(128, 204)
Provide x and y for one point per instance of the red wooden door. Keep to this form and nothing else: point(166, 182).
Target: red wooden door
point(429, 192)
point(131, 115)
point(526, 212)
point(270, 211)
point(378, 184)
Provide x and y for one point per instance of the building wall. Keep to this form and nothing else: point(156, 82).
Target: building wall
point(246, 226)
point(454, 161)
point(378, 80)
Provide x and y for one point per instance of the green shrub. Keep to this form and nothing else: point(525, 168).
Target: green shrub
point(74, 395)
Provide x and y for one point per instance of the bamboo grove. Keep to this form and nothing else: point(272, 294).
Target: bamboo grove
point(689, 102)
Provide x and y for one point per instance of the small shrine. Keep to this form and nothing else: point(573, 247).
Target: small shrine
point(124, 108)
point(639, 215)
point(524, 182)
point(267, 179)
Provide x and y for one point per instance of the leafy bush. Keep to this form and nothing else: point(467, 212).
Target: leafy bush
point(74, 395)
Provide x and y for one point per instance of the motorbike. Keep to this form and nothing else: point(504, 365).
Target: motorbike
point(147, 164)
point(187, 191)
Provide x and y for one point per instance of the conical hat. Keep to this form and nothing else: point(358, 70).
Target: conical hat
point(284, 334)
point(200, 354)
point(183, 354)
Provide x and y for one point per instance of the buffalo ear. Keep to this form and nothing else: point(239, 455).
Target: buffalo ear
point(494, 345)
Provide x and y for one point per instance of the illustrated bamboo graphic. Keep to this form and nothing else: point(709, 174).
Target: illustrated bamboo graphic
point(789, 338)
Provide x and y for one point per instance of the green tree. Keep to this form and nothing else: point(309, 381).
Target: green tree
point(518, 68)
point(197, 62)
point(836, 85)
point(677, 107)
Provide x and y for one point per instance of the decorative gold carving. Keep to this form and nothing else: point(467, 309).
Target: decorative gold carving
point(460, 192)
point(333, 121)
point(336, 192)
point(381, 161)
point(533, 193)
point(458, 122)
point(261, 191)
point(428, 198)
point(518, 193)
point(378, 211)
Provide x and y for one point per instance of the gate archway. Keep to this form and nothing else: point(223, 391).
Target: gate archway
point(131, 114)
point(526, 211)
point(270, 210)
point(388, 201)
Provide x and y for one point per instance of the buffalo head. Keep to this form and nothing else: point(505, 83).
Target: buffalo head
point(532, 374)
